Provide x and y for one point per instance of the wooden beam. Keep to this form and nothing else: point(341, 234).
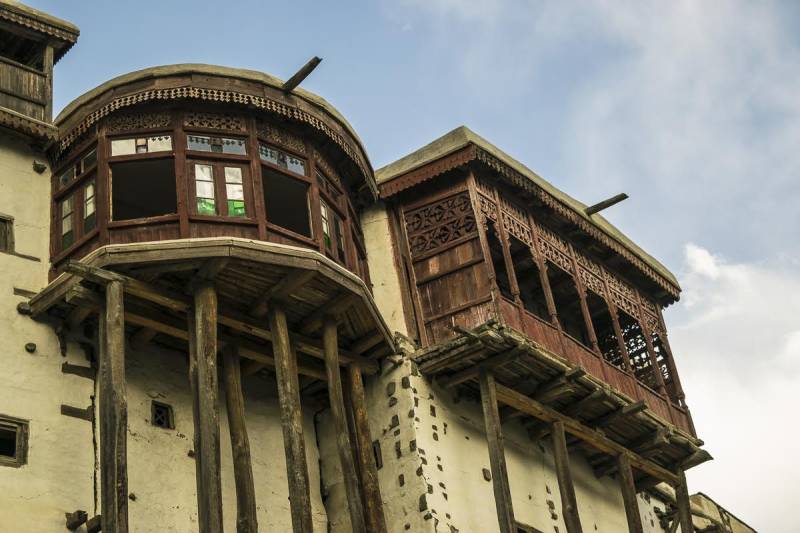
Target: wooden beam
point(301, 74)
point(373, 503)
point(621, 412)
point(472, 371)
point(205, 403)
point(593, 437)
point(335, 394)
point(207, 272)
point(554, 388)
point(281, 290)
point(684, 505)
point(497, 458)
point(596, 208)
point(246, 519)
point(569, 504)
point(335, 306)
point(291, 422)
point(142, 338)
point(113, 412)
point(366, 342)
point(628, 487)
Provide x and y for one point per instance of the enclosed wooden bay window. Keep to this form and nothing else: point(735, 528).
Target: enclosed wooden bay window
point(220, 189)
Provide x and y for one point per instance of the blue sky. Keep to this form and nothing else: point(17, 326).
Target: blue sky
point(692, 108)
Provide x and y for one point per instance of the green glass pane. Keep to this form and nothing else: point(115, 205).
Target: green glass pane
point(205, 206)
point(236, 208)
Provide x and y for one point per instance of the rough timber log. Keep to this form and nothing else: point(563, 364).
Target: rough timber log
point(497, 459)
point(373, 510)
point(331, 345)
point(113, 413)
point(246, 521)
point(291, 421)
point(629, 494)
point(684, 505)
point(569, 504)
point(205, 407)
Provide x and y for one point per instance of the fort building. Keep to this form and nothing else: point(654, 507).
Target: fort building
point(220, 317)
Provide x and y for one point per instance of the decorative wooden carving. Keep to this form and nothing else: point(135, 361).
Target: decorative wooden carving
point(280, 137)
point(623, 295)
point(217, 121)
point(434, 225)
point(326, 167)
point(488, 207)
point(554, 248)
point(137, 121)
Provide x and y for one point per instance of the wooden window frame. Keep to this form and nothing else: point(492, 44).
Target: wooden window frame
point(220, 190)
point(21, 428)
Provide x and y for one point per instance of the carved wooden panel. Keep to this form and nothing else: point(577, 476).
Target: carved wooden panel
point(554, 248)
point(217, 121)
point(137, 121)
point(326, 167)
point(488, 207)
point(434, 225)
point(623, 295)
point(281, 137)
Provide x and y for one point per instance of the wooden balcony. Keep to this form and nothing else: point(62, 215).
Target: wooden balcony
point(24, 89)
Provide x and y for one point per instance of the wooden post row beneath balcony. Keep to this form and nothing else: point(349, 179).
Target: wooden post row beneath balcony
point(331, 351)
point(113, 412)
point(628, 488)
point(291, 421)
point(497, 459)
point(365, 460)
point(246, 520)
point(569, 504)
point(205, 406)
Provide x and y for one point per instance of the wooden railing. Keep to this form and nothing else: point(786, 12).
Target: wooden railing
point(23, 89)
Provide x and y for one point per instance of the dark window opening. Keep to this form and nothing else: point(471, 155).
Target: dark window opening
point(67, 208)
point(498, 262)
point(376, 452)
point(141, 189)
point(23, 50)
point(568, 303)
point(162, 415)
point(13, 441)
point(530, 283)
point(604, 329)
point(6, 233)
point(286, 201)
point(637, 349)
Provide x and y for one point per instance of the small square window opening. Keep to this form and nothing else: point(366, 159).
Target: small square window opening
point(162, 416)
point(13, 441)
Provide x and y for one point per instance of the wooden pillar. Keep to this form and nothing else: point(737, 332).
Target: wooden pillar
point(205, 407)
point(291, 421)
point(343, 445)
point(629, 494)
point(497, 458)
point(246, 520)
point(684, 507)
point(541, 263)
point(623, 349)
point(113, 412)
point(569, 504)
point(373, 510)
point(47, 65)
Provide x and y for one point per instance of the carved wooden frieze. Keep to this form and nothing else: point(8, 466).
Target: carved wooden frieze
point(217, 121)
point(121, 122)
point(488, 207)
point(280, 137)
point(554, 248)
point(434, 225)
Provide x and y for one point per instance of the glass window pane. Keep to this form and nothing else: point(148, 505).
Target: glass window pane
point(234, 146)
point(205, 189)
point(67, 176)
point(199, 143)
point(203, 173)
point(236, 208)
point(66, 206)
point(161, 143)
point(234, 191)
point(123, 146)
point(89, 160)
point(282, 159)
point(206, 206)
point(233, 175)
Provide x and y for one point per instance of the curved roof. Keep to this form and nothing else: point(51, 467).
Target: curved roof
point(463, 136)
point(68, 118)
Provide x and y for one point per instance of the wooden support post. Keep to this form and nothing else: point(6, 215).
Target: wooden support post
point(246, 521)
point(684, 506)
point(569, 504)
point(205, 404)
point(373, 510)
point(629, 494)
point(331, 346)
point(47, 66)
point(113, 413)
point(497, 458)
point(291, 421)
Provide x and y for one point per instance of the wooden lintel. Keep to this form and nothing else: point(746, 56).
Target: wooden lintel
point(595, 438)
point(473, 371)
point(281, 290)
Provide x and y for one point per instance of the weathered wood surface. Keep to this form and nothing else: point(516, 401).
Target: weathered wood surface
point(339, 415)
point(291, 421)
point(373, 510)
point(569, 503)
point(205, 407)
point(497, 459)
point(684, 504)
point(113, 413)
point(246, 519)
point(628, 487)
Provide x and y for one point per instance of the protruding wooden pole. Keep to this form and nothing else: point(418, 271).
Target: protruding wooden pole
point(569, 504)
point(497, 458)
point(246, 520)
point(373, 510)
point(331, 346)
point(291, 421)
point(628, 487)
point(113, 413)
point(684, 506)
point(205, 406)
